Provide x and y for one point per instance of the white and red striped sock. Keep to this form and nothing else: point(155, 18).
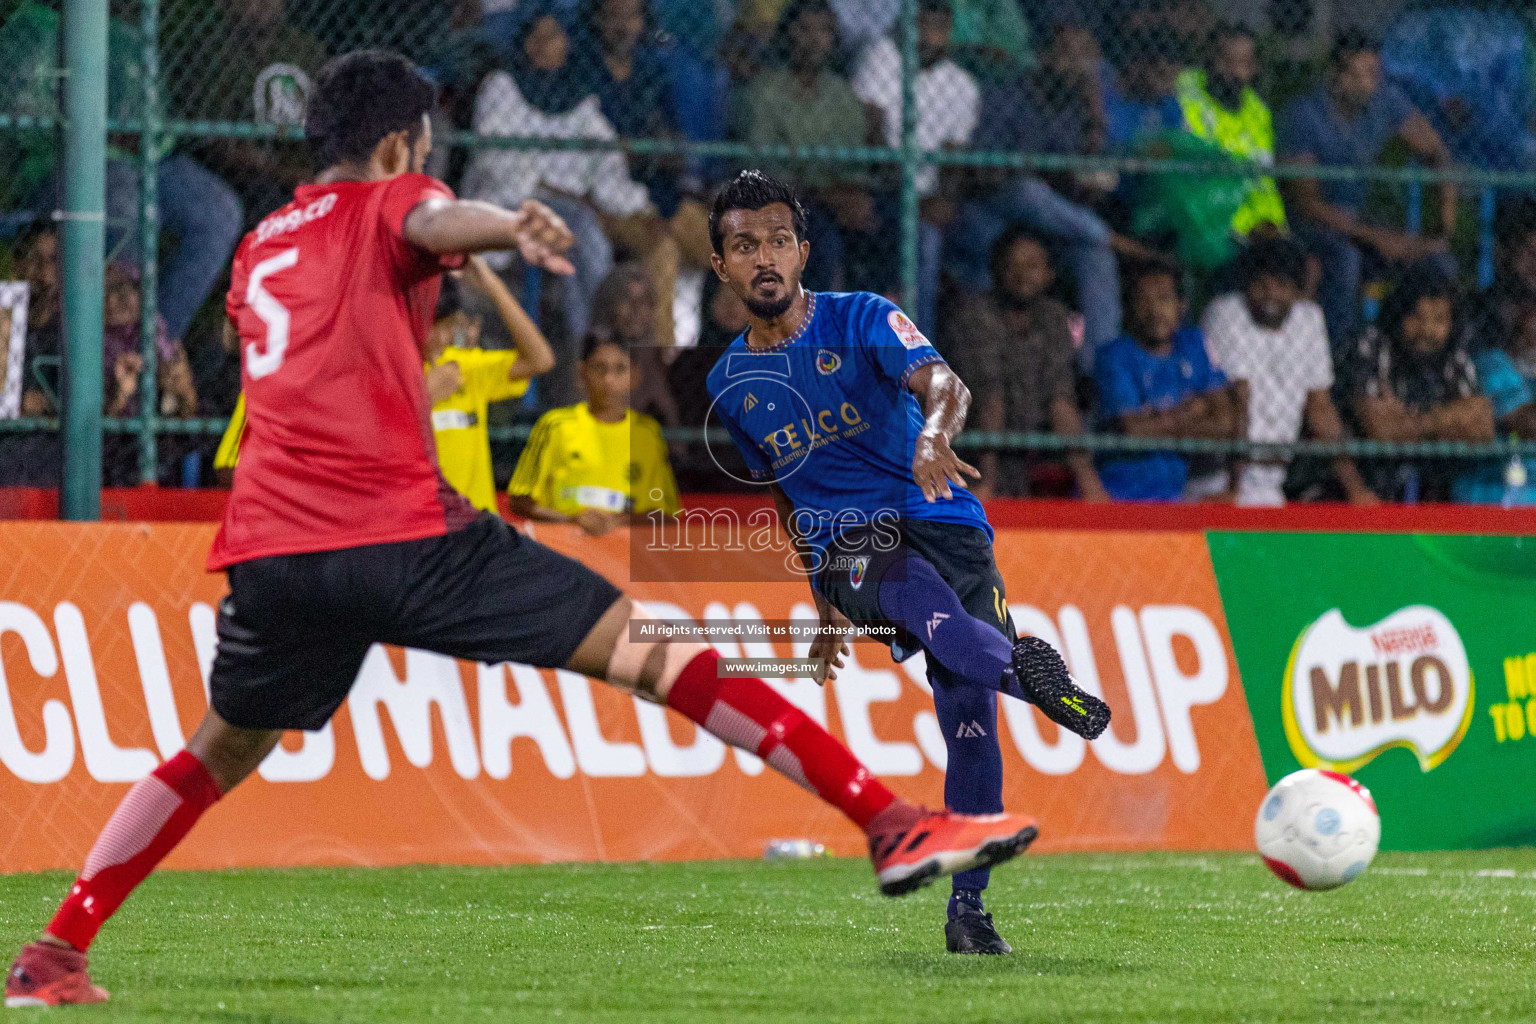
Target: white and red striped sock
point(750, 714)
point(157, 812)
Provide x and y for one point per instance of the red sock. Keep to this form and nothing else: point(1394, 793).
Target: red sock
point(152, 819)
point(750, 714)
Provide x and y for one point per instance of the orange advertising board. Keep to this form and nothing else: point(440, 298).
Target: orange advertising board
point(107, 632)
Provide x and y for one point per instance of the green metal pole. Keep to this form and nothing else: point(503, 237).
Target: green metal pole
point(909, 155)
point(85, 192)
point(149, 238)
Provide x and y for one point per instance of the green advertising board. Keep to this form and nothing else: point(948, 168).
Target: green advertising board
point(1406, 661)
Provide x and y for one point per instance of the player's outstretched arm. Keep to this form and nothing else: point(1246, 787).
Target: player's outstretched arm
point(446, 226)
point(945, 400)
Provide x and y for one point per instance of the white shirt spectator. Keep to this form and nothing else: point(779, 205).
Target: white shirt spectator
point(1281, 367)
point(948, 102)
point(508, 176)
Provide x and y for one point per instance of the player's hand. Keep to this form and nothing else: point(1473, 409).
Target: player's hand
point(935, 467)
point(595, 522)
point(543, 238)
point(444, 381)
point(831, 644)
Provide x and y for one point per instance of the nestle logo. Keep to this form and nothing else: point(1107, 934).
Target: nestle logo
point(1406, 640)
point(1352, 692)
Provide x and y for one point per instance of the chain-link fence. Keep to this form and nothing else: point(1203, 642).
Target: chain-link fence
point(1058, 197)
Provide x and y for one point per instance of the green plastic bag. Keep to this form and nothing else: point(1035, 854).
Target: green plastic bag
point(1195, 209)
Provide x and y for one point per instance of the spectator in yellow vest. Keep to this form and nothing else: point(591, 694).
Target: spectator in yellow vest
point(462, 381)
point(1220, 105)
point(597, 463)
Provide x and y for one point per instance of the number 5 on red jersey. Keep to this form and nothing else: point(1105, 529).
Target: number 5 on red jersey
point(260, 362)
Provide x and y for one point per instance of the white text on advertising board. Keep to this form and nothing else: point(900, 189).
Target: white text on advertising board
point(507, 702)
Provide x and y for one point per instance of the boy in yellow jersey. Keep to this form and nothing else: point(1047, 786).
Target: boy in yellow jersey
point(462, 380)
point(596, 463)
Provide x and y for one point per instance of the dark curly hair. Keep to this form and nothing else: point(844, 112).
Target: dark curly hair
point(1417, 284)
point(1273, 257)
point(359, 99)
point(753, 190)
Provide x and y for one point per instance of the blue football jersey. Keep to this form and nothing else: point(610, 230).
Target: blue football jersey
point(827, 415)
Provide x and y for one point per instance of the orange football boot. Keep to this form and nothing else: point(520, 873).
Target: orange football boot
point(48, 975)
point(911, 846)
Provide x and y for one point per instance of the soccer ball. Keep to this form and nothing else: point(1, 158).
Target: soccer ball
point(1317, 829)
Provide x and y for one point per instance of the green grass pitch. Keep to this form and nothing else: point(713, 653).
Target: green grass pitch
point(1115, 938)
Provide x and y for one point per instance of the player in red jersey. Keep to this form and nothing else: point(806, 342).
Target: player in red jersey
point(340, 532)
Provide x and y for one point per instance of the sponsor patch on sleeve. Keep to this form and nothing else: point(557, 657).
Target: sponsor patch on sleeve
point(906, 331)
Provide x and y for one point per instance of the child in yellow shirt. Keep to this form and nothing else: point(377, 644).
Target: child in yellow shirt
point(597, 463)
point(463, 379)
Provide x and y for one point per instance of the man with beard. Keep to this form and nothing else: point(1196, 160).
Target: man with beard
point(1410, 378)
point(1271, 342)
point(839, 405)
point(1220, 105)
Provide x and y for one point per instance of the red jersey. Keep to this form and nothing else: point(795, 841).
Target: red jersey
point(333, 306)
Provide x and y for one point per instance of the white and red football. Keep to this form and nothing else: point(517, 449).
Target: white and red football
point(1317, 829)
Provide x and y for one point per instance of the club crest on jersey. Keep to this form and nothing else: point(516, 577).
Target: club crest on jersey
point(906, 331)
point(856, 574)
point(827, 363)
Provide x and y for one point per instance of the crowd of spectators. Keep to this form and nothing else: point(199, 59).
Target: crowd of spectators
point(1073, 299)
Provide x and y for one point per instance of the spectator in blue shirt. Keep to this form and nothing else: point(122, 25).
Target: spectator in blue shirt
point(1143, 103)
point(1507, 377)
point(1348, 122)
point(1158, 381)
point(699, 25)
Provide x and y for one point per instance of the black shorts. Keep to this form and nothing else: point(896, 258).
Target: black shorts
point(295, 628)
point(855, 566)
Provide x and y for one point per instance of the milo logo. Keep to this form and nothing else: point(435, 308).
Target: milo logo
point(1352, 692)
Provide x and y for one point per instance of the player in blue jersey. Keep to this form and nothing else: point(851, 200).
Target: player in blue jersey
point(840, 405)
